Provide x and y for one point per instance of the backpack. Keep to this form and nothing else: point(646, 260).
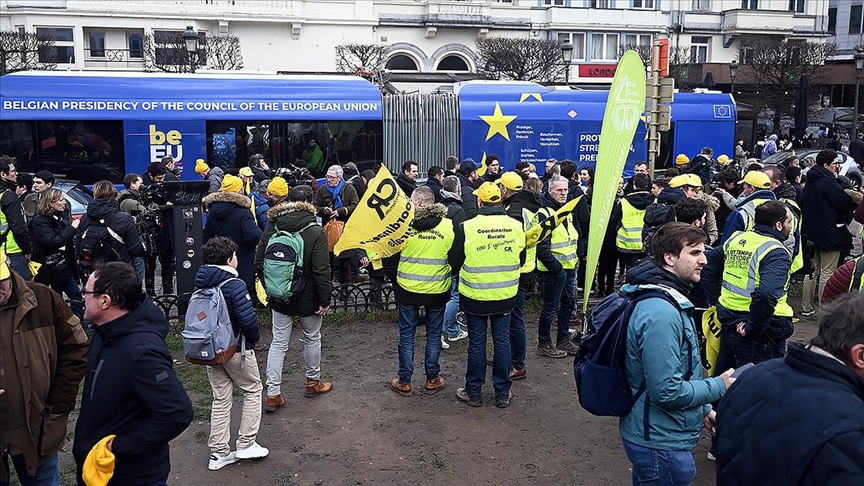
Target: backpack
point(283, 264)
point(599, 366)
point(208, 335)
point(96, 245)
point(656, 215)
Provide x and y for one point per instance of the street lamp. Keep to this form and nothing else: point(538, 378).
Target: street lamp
point(859, 64)
point(567, 56)
point(733, 72)
point(191, 39)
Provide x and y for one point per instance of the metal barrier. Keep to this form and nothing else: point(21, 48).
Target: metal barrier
point(420, 127)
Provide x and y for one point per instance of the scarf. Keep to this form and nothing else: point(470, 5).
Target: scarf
point(336, 193)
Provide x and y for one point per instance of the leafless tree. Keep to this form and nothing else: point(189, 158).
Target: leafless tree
point(223, 53)
point(520, 59)
point(26, 51)
point(771, 69)
point(679, 62)
point(166, 52)
point(353, 58)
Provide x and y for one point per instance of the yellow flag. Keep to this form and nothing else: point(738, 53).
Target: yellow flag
point(381, 223)
point(542, 231)
point(711, 329)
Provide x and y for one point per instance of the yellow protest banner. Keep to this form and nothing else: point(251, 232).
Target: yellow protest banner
point(711, 330)
point(381, 223)
point(542, 231)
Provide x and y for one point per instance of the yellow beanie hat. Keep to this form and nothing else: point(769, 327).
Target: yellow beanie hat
point(232, 183)
point(201, 166)
point(278, 187)
point(680, 160)
point(98, 466)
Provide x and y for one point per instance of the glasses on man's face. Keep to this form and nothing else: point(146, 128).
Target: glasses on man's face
point(90, 292)
point(332, 178)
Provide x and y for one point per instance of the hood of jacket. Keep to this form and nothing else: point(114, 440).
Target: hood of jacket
point(428, 217)
point(526, 199)
point(259, 198)
point(291, 216)
point(671, 195)
point(818, 172)
point(640, 200)
point(129, 194)
point(648, 272)
point(222, 204)
point(209, 276)
point(145, 318)
point(450, 197)
point(760, 194)
point(216, 172)
point(102, 208)
point(712, 202)
point(785, 191)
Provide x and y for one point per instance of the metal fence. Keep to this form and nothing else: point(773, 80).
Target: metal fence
point(420, 127)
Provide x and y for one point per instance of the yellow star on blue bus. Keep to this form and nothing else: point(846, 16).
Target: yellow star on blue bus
point(536, 96)
point(498, 123)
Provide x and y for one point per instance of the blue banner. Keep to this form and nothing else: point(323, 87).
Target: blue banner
point(149, 141)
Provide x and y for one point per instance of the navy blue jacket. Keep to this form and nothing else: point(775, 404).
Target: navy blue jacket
point(826, 205)
point(131, 391)
point(773, 275)
point(262, 205)
point(230, 215)
point(243, 318)
point(796, 420)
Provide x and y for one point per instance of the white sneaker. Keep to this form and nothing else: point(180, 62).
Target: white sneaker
point(711, 457)
point(444, 344)
point(217, 462)
point(462, 335)
point(255, 451)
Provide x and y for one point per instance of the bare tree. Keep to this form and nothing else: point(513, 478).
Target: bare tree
point(772, 67)
point(679, 62)
point(26, 51)
point(166, 52)
point(353, 58)
point(645, 52)
point(223, 53)
point(520, 59)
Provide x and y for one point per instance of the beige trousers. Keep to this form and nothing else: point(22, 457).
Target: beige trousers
point(824, 264)
point(222, 381)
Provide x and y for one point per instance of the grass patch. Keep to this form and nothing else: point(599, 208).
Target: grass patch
point(351, 317)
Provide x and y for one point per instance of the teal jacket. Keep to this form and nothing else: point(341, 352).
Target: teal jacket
point(669, 414)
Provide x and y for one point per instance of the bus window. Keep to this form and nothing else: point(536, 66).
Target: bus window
point(85, 151)
point(18, 140)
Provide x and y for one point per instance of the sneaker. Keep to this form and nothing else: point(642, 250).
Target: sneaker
point(434, 385)
point(272, 402)
point(217, 462)
point(503, 401)
point(460, 319)
point(546, 349)
point(711, 457)
point(808, 312)
point(403, 389)
point(255, 451)
point(472, 401)
point(567, 346)
point(462, 335)
point(444, 344)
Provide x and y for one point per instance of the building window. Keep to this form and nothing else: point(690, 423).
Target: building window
point(401, 62)
point(554, 3)
point(638, 40)
point(599, 3)
point(832, 20)
point(136, 46)
point(701, 5)
point(604, 47)
point(63, 51)
point(796, 6)
point(646, 4)
point(855, 19)
point(96, 44)
point(577, 40)
point(452, 63)
point(699, 49)
point(750, 4)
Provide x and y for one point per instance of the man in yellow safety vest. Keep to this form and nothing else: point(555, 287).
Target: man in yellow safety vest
point(629, 217)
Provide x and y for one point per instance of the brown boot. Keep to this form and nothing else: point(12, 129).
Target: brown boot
point(272, 402)
point(316, 387)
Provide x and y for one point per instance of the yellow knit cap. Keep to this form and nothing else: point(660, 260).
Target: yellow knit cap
point(201, 166)
point(232, 183)
point(278, 187)
point(98, 466)
point(680, 160)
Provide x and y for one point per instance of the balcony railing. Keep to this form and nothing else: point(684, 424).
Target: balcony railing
point(113, 58)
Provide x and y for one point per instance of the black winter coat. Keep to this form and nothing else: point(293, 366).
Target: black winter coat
point(230, 215)
point(433, 184)
point(796, 420)
point(131, 391)
point(455, 211)
point(243, 318)
point(523, 199)
point(12, 208)
point(120, 223)
point(294, 216)
point(406, 185)
point(469, 200)
point(827, 209)
point(50, 234)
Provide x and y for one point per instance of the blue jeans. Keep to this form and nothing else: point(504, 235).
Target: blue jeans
point(48, 474)
point(517, 328)
point(660, 468)
point(450, 325)
point(139, 267)
point(76, 301)
point(408, 317)
point(475, 375)
point(559, 298)
point(20, 264)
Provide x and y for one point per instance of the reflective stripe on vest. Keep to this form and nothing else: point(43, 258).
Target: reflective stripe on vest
point(530, 252)
point(423, 266)
point(11, 246)
point(564, 242)
point(789, 243)
point(629, 235)
point(744, 252)
point(855, 285)
point(492, 247)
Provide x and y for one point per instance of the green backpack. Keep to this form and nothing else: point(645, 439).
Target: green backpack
point(283, 264)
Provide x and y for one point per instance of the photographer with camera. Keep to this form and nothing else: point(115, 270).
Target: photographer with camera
point(130, 203)
point(158, 224)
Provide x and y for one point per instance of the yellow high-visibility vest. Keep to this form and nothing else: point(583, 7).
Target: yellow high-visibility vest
point(11, 246)
point(530, 252)
point(423, 266)
point(564, 242)
point(493, 244)
point(744, 251)
point(629, 235)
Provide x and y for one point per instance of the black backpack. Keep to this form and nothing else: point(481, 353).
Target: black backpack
point(97, 245)
point(656, 215)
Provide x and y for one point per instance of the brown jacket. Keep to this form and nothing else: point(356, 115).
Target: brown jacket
point(48, 354)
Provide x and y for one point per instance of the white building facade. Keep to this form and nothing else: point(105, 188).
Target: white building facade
point(423, 35)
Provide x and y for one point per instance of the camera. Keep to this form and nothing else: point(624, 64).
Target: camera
point(153, 194)
point(293, 175)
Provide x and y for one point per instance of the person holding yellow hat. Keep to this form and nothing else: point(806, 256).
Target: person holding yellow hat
point(757, 191)
point(40, 390)
point(212, 175)
point(248, 178)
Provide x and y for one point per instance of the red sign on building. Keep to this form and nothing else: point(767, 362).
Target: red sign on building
point(597, 70)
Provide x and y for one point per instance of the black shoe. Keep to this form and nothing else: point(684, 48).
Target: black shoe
point(503, 401)
point(472, 401)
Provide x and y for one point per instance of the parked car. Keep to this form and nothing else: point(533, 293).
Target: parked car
point(848, 167)
point(77, 194)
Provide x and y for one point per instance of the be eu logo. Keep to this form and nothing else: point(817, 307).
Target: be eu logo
point(162, 144)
